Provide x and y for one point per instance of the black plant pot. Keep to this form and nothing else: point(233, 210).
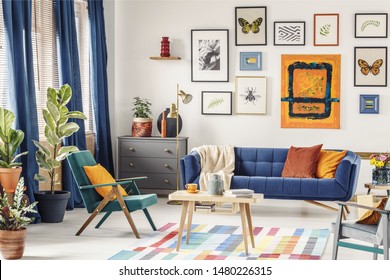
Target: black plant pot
point(52, 207)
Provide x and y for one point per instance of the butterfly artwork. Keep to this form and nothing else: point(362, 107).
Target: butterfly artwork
point(247, 27)
point(366, 68)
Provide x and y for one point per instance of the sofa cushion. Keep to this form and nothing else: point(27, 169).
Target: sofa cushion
point(328, 162)
point(372, 217)
point(301, 162)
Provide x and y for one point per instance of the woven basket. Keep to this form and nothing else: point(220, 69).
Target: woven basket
point(141, 127)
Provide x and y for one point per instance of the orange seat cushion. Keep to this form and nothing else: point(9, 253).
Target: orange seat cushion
point(301, 162)
point(97, 174)
point(372, 217)
point(328, 162)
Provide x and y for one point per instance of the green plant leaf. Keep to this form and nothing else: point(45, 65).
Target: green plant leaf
point(76, 115)
point(64, 152)
point(52, 95)
point(42, 148)
point(53, 110)
point(40, 178)
point(68, 129)
point(65, 93)
point(50, 122)
point(215, 103)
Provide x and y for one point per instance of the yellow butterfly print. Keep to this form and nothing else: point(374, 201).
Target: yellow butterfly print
point(246, 26)
point(365, 68)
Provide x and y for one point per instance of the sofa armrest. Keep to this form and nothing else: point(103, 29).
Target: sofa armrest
point(190, 168)
point(347, 173)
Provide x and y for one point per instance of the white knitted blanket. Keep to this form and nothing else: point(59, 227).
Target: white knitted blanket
point(216, 160)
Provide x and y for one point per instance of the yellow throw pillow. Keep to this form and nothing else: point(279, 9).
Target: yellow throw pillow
point(328, 162)
point(372, 217)
point(97, 174)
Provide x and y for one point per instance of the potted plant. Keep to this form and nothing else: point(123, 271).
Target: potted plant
point(13, 221)
point(142, 123)
point(52, 204)
point(10, 140)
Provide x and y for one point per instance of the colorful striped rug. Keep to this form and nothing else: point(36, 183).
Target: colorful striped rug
point(216, 242)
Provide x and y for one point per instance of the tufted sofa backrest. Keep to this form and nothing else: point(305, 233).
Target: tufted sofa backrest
point(268, 162)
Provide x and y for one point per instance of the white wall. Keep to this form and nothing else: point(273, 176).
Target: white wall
point(139, 26)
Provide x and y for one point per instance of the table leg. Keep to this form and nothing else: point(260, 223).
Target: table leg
point(244, 226)
point(249, 221)
point(191, 207)
point(182, 221)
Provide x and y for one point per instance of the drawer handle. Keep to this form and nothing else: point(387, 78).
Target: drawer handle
point(167, 150)
point(166, 181)
point(131, 164)
point(167, 165)
point(131, 149)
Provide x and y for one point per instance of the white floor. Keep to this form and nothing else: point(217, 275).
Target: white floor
point(58, 241)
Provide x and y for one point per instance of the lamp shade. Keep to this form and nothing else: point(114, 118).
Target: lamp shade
point(186, 98)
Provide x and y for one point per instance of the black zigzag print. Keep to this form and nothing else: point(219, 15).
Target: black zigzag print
point(289, 33)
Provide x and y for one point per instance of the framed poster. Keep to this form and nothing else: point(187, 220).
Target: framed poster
point(216, 102)
point(251, 26)
point(369, 104)
point(372, 25)
point(370, 66)
point(210, 55)
point(289, 33)
point(310, 91)
point(251, 95)
point(326, 29)
point(250, 61)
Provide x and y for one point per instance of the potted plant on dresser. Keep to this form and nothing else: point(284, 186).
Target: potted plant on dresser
point(52, 204)
point(142, 123)
point(13, 221)
point(10, 140)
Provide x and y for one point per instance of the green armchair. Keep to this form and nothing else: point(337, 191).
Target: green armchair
point(96, 204)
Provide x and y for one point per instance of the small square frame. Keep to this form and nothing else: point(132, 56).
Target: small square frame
point(251, 26)
point(369, 104)
point(216, 103)
point(371, 25)
point(289, 33)
point(251, 95)
point(326, 29)
point(250, 61)
point(370, 67)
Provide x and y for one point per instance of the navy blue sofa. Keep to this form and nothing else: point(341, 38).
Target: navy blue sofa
point(260, 169)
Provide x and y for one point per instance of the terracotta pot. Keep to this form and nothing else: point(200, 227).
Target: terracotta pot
point(141, 127)
point(9, 178)
point(12, 243)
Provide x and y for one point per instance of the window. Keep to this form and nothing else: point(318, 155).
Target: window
point(3, 63)
point(45, 55)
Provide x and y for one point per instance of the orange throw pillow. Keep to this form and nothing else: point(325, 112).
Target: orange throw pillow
point(328, 162)
point(97, 174)
point(372, 217)
point(301, 162)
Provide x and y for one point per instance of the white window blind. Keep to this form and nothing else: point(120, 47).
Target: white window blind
point(3, 63)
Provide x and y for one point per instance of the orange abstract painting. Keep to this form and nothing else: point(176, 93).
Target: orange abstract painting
point(310, 96)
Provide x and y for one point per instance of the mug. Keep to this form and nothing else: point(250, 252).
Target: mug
point(192, 187)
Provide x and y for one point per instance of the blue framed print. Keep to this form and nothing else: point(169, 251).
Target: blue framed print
point(250, 61)
point(369, 104)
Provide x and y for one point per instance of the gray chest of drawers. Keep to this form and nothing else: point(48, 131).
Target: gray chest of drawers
point(153, 157)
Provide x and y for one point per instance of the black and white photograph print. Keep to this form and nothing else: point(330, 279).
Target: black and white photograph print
point(251, 26)
point(209, 55)
point(251, 95)
point(289, 33)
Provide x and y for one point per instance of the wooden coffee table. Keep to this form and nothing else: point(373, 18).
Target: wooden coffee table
point(188, 206)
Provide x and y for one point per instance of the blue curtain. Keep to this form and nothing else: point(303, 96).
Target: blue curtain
point(17, 22)
point(98, 73)
point(69, 71)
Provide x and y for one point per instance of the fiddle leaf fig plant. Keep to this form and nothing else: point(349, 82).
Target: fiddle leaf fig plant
point(10, 140)
point(57, 128)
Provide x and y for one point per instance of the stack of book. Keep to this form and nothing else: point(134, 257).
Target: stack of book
point(238, 193)
point(207, 205)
